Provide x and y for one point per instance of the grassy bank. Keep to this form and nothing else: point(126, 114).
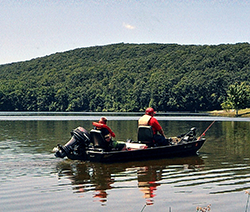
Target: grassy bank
point(231, 113)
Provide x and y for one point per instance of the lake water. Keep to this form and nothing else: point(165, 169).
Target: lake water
point(32, 179)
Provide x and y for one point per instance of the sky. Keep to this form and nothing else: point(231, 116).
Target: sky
point(36, 28)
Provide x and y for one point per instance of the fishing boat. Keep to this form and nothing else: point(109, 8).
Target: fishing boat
point(90, 146)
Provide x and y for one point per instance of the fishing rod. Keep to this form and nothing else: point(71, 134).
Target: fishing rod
point(203, 134)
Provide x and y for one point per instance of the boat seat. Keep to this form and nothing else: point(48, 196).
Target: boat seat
point(97, 139)
point(145, 135)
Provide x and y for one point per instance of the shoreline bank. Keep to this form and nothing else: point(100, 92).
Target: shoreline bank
point(231, 113)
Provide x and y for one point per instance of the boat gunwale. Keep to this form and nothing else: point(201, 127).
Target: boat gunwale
point(147, 149)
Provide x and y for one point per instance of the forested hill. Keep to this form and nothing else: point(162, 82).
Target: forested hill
point(126, 77)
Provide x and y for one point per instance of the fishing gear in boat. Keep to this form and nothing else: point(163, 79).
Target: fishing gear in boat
point(188, 136)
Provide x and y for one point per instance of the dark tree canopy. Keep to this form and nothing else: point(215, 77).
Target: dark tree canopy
point(126, 77)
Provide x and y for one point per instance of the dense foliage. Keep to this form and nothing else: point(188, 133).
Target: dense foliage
point(126, 77)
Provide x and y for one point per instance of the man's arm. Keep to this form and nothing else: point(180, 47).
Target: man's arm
point(162, 132)
point(157, 126)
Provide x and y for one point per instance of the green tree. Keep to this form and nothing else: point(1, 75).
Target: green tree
point(238, 97)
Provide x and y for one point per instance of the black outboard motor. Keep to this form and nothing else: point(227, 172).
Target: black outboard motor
point(76, 146)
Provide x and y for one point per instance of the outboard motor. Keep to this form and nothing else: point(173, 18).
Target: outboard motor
point(76, 145)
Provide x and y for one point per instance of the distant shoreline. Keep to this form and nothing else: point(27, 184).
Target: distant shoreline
point(231, 113)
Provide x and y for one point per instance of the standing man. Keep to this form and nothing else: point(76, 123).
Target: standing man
point(148, 119)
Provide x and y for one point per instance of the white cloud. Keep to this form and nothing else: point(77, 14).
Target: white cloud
point(128, 26)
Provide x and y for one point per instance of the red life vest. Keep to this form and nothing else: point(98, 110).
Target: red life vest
point(100, 125)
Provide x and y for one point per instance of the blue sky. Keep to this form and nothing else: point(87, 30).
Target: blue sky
point(36, 28)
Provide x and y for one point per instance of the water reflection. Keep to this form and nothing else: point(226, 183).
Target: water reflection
point(148, 180)
point(237, 137)
point(220, 175)
point(228, 142)
point(148, 175)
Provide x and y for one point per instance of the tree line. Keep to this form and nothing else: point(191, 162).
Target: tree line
point(126, 77)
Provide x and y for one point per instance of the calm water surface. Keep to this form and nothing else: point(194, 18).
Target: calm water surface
point(32, 179)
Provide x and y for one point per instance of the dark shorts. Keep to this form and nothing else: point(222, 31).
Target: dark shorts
point(160, 140)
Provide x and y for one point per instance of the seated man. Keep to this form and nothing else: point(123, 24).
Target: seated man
point(149, 120)
point(108, 134)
